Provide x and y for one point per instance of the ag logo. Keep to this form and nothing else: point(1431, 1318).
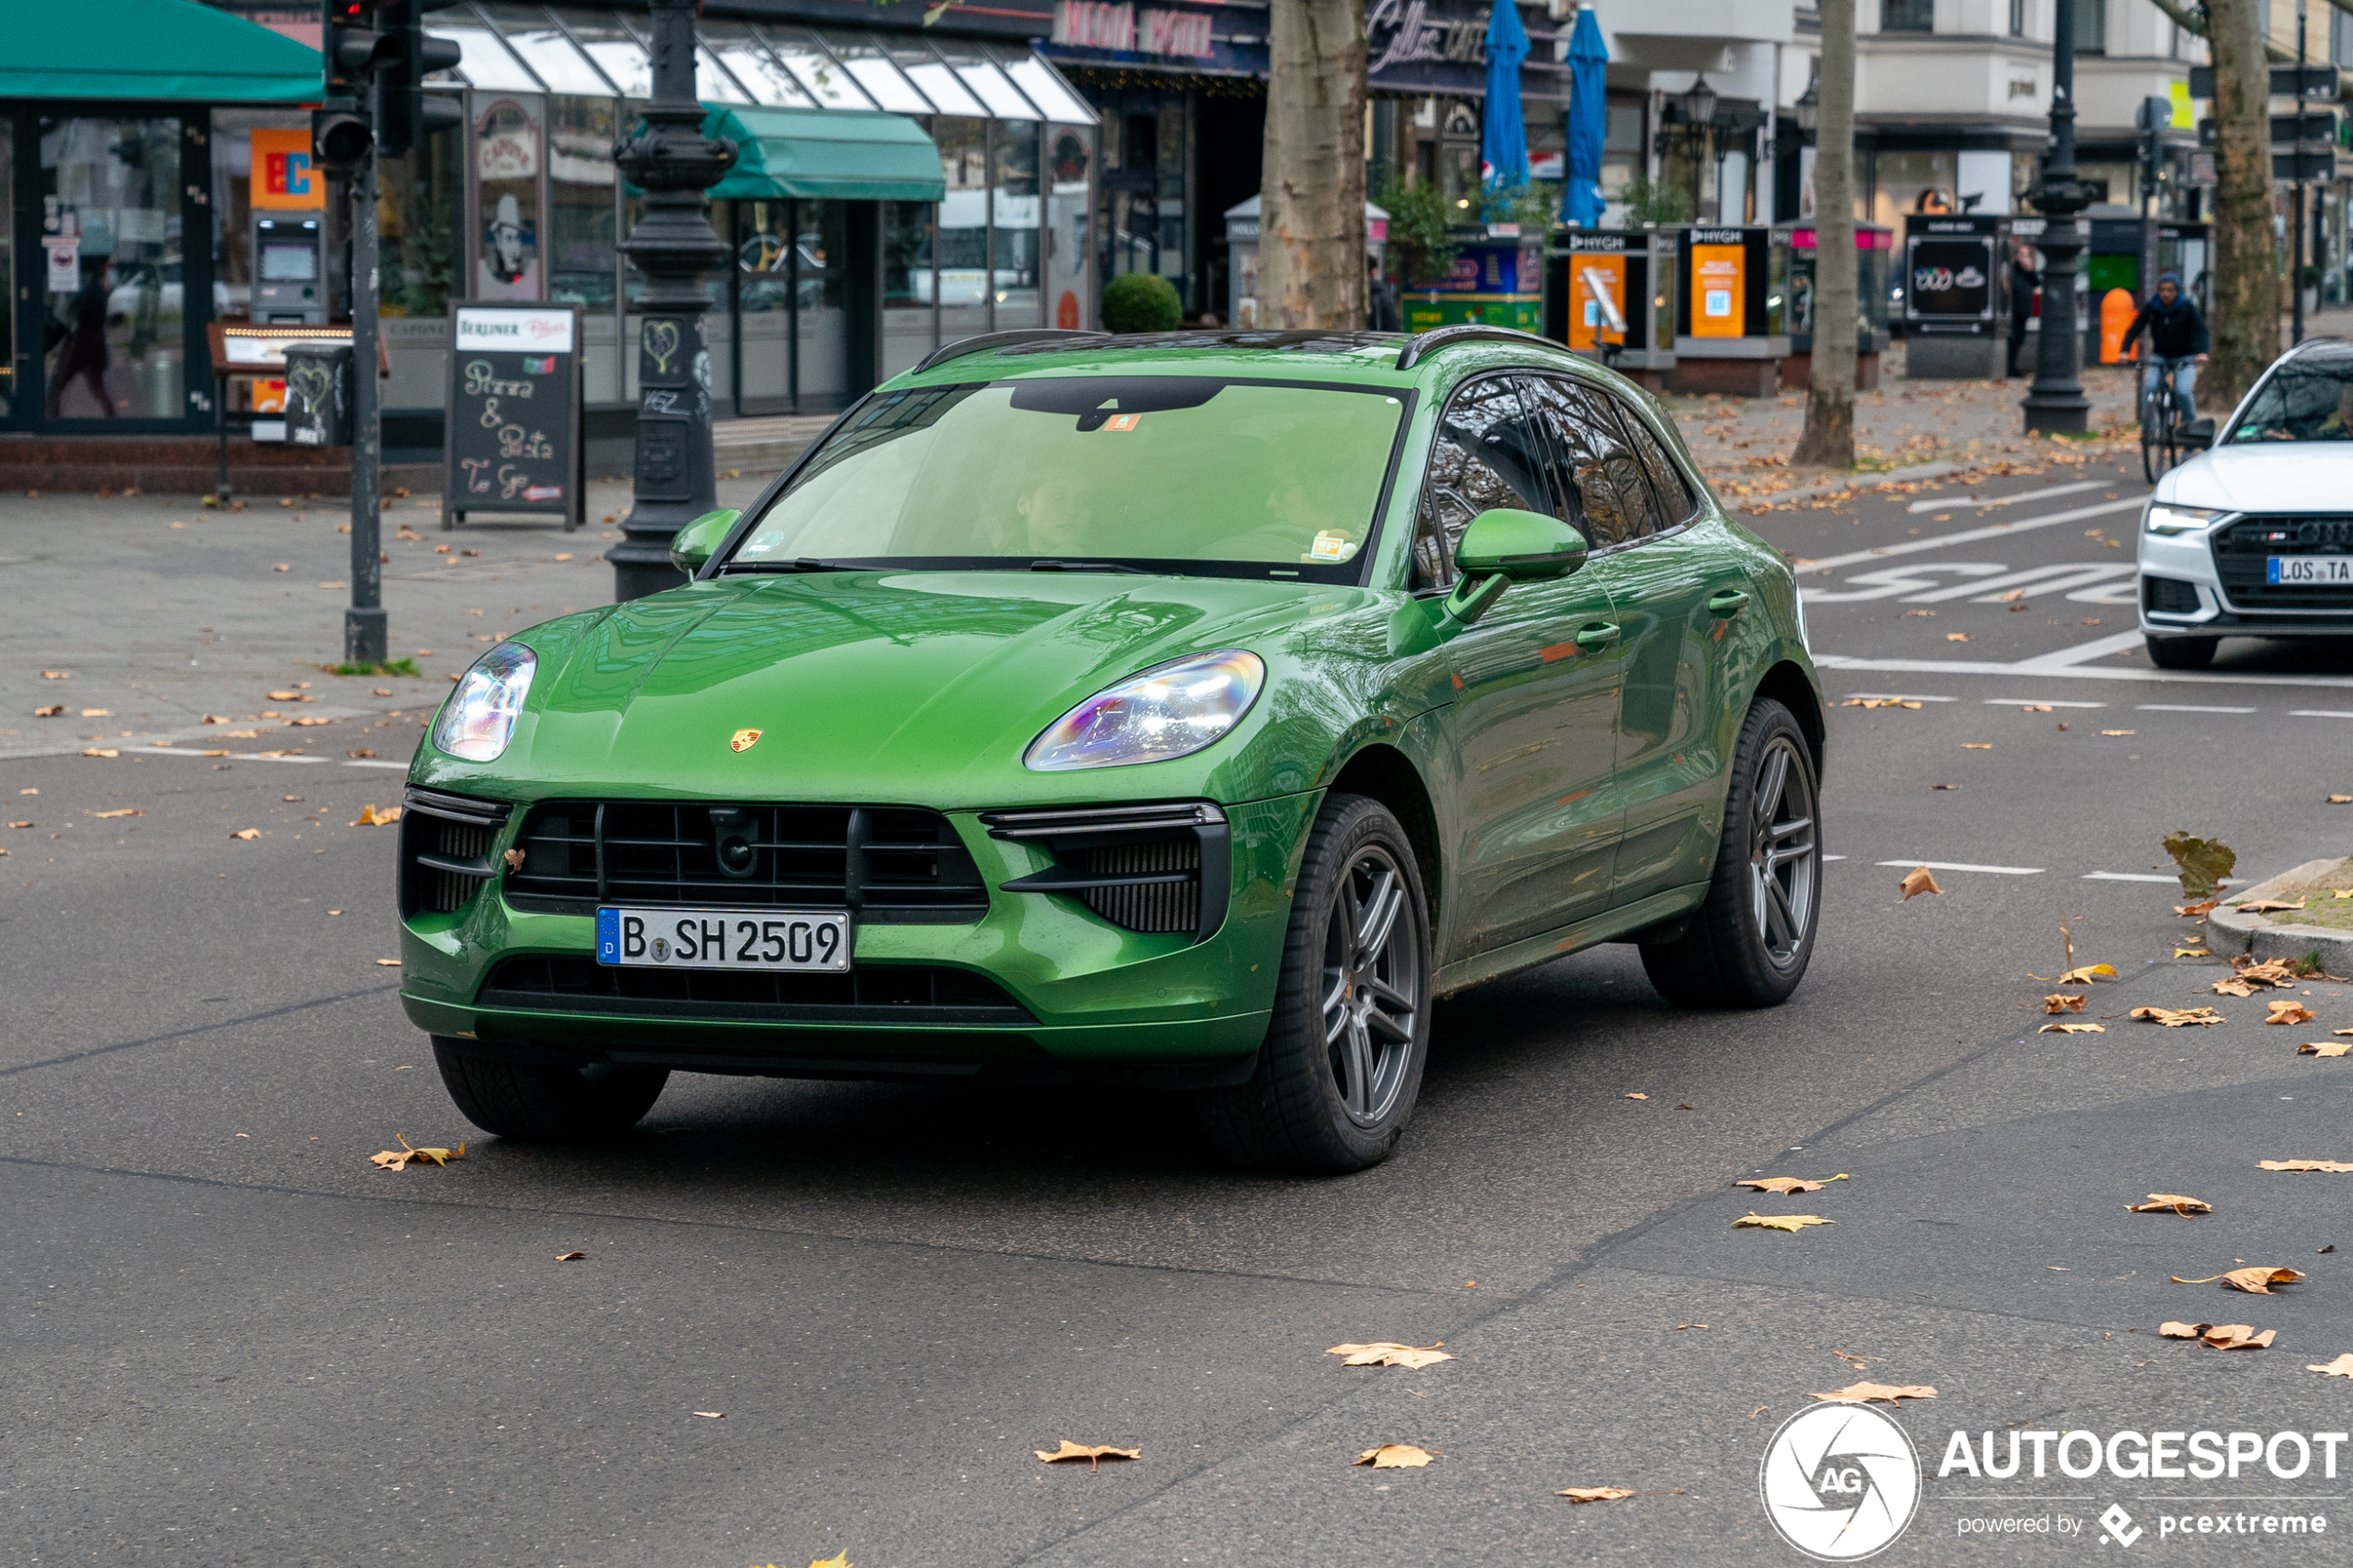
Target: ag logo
point(744, 741)
point(1839, 1482)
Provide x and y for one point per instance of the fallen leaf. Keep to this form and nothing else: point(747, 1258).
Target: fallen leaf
point(838, 1560)
point(101, 751)
point(57, 674)
point(2272, 971)
point(1611, 1494)
point(2087, 974)
point(305, 723)
point(2203, 906)
point(1861, 1393)
point(2036, 708)
point(1094, 1454)
point(2266, 906)
point(2234, 987)
point(1395, 1456)
point(54, 711)
point(284, 696)
point(570, 1256)
point(1880, 702)
point(2062, 1002)
point(1793, 1223)
point(1943, 786)
point(2341, 799)
point(514, 858)
point(371, 818)
point(1977, 745)
point(1956, 636)
point(281, 567)
point(359, 751)
point(2191, 953)
point(1684, 1325)
point(2255, 1281)
point(388, 963)
point(1638, 1096)
point(126, 812)
point(2203, 863)
point(247, 832)
point(2120, 732)
point(1781, 1186)
point(2324, 1048)
point(1917, 880)
point(2341, 1367)
point(1384, 1353)
point(2072, 1029)
point(715, 1415)
point(2174, 1202)
point(563, 558)
point(2288, 1012)
point(2337, 1167)
point(97, 713)
point(2176, 1018)
point(2221, 1336)
point(399, 1158)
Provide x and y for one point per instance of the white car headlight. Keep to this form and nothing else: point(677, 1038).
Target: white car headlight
point(1172, 709)
point(478, 719)
point(2164, 517)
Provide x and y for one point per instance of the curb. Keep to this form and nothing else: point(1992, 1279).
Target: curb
point(2227, 931)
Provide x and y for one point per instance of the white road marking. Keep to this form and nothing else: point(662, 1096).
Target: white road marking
point(2113, 673)
point(2045, 494)
point(1968, 535)
point(1962, 865)
point(2036, 578)
point(2037, 702)
point(2317, 713)
point(2186, 708)
point(2127, 876)
point(1833, 857)
point(2083, 652)
point(248, 755)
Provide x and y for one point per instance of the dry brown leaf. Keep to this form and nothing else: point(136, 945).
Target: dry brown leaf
point(371, 818)
point(2118, 731)
point(57, 674)
point(1956, 636)
point(1977, 745)
point(1917, 880)
point(2324, 1048)
point(1793, 1223)
point(1880, 702)
point(2288, 1012)
point(1604, 1494)
point(2221, 1336)
point(97, 713)
point(2265, 906)
point(2341, 1367)
point(2271, 972)
point(2088, 973)
point(2171, 1202)
point(838, 1560)
point(2072, 1029)
point(1861, 1393)
point(1684, 1325)
point(1396, 1456)
point(2061, 1002)
point(1783, 1186)
point(570, 1256)
point(1638, 1096)
point(399, 1158)
point(388, 963)
point(102, 751)
point(715, 1415)
point(54, 711)
point(1384, 1353)
point(2255, 1281)
point(126, 812)
point(1093, 1453)
point(2177, 1018)
point(514, 858)
point(2203, 906)
point(2337, 1167)
point(247, 832)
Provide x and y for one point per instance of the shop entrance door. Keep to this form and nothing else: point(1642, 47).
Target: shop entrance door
point(115, 318)
point(790, 334)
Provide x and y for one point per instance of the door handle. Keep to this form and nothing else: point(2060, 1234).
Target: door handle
point(1725, 605)
point(1598, 636)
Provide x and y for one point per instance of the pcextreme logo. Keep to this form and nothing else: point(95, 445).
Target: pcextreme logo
point(1839, 1482)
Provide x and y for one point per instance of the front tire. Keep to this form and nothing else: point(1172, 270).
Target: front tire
point(547, 1104)
point(1342, 1061)
point(2181, 653)
point(1747, 945)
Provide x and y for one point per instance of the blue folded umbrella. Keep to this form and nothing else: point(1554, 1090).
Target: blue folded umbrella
point(1587, 120)
point(1503, 136)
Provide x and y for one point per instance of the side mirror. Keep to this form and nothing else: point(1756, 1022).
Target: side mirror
point(1520, 546)
point(693, 544)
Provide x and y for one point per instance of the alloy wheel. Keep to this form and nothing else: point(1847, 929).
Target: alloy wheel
point(1783, 852)
point(1372, 985)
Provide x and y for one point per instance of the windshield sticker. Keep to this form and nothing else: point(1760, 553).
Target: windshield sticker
point(1331, 545)
point(1122, 421)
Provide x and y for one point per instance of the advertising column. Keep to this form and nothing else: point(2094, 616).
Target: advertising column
point(1952, 296)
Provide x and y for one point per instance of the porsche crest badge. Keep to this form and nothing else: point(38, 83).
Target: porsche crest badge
point(744, 740)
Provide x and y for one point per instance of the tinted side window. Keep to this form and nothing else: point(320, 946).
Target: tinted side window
point(1676, 503)
point(1605, 491)
point(1488, 454)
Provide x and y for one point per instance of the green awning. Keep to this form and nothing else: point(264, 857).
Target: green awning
point(839, 155)
point(151, 50)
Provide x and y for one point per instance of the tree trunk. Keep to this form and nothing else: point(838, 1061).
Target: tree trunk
point(1311, 248)
point(1829, 440)
point(2246, 269)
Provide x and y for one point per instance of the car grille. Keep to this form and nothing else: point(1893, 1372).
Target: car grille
point(2168, 596)
point(2241, 551)
point(444, 842)
point(882, 994)
point(888, 865)
point(1153, 869)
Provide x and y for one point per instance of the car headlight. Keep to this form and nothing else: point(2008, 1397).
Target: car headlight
point(478, 719)
point(1172, 709)
point(2164, 517)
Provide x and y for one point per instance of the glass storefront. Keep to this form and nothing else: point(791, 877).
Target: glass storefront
point(114, 322)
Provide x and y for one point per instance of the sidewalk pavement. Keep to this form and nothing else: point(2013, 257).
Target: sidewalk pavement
point(155, 612)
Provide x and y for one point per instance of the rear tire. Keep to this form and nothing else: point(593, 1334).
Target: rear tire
point(2181, 653)
point(1342, 1061)
point(1747, 945)
point(547, 1104)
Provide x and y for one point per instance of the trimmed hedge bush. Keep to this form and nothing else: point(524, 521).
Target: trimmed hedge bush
point(1142, 302)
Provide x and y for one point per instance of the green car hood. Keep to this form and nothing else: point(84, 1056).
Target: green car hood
point(905, 686)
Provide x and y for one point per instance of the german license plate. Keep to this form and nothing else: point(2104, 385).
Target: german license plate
point(785, 939)
point(2332, 570)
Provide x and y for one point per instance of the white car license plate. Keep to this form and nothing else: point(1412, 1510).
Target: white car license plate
point(2309, 568)
point(783, 939)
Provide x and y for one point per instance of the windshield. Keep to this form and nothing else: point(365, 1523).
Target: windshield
point(2309, 398)
point(1174, 474)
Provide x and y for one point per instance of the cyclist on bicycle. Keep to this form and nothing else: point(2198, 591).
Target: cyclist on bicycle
point(2177, 333)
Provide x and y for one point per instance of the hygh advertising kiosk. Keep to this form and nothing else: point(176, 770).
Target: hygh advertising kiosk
point(1609, 296)
point(1730, 285)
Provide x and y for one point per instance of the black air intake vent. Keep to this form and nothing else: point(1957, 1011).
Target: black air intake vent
point(2168, 595)
point(445, 845)
point(1154, 869)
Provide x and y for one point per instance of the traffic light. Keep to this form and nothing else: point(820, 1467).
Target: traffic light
point(410, 114)
point(340, 133)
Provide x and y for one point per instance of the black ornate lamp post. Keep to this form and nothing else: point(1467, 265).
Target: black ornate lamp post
point(674, 244)
point(2056, 402)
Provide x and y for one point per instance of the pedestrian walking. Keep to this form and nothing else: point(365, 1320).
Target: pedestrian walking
point(1382, 311)
point(2024, 281)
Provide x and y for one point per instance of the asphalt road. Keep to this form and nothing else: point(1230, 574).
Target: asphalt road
point(231, 1339)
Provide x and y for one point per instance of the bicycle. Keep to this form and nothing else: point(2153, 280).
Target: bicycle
point(2161, 419)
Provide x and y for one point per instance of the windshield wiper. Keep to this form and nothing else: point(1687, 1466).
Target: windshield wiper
point(802, 563)
point(1087, 566)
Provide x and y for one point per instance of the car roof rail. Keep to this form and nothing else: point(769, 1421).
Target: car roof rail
point(1421, 345)
point(984, 342)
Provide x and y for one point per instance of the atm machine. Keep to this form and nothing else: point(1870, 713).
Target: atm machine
point(289, 269)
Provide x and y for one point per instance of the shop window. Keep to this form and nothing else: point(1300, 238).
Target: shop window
point(960, 276)
point(1014, 217)
point(113, 317)
point(580, 202)
point(1907, 15)
point(1907, 183)
point(422, 250)
point(2091, 26)
point(508, 157)
point(1069, 245)
point(908, 324)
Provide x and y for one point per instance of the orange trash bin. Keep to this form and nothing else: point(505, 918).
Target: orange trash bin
point(2117, 311)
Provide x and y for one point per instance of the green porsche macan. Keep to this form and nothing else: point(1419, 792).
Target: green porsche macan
point(1194, 710)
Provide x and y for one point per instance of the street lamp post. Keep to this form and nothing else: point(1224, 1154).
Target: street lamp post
point(2056, 401)
point(674, 244)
